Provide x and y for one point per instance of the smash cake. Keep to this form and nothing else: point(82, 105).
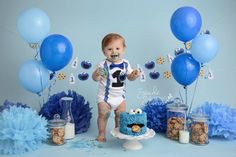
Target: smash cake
point(133, 123)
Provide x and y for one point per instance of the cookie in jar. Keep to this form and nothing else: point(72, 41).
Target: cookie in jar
point(176, 118)
point(199, 129)
point(57, 130)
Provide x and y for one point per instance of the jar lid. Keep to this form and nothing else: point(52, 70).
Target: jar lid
point(177, 105)
point(200, 117)
point(56, 121)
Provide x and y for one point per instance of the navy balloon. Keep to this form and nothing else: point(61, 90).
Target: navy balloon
point(185, 69)
point(56, 52)
point(185, 23)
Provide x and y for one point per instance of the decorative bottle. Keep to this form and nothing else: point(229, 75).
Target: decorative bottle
point(68, 117)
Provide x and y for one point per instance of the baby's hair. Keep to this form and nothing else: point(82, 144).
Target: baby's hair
point(111, 37)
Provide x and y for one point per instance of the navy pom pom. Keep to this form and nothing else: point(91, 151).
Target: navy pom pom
point(7, 104)
point(156, 114)
point(80, 109)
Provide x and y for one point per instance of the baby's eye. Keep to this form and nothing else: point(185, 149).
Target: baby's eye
point(138, 111)
point(132, 111)
point(117, 48)
point(109, 49)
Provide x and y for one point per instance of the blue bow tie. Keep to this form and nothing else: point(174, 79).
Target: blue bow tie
point(121, 66)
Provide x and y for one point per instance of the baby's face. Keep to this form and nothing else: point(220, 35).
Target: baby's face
point(114, 50)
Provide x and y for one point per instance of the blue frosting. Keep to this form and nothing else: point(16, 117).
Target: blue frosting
point(127, 119)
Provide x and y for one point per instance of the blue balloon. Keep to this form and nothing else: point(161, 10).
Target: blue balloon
point(56, 52)
point(185, 69)
point(204, 48)
point(33, 76)
point(33, 25)
point(185, 23)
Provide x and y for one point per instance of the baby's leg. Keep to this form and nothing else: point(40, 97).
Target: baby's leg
point(104, 111)
point(120, 108)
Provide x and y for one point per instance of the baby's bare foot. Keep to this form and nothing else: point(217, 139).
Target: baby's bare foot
point(101, 139)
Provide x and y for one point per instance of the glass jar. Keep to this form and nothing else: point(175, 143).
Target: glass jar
point(57, 130)
point(176, 118)
point(68, 117)
point(199, 129)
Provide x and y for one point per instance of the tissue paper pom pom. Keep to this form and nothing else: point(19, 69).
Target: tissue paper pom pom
point(80, 110)
point(222, 120)
point(22, 130)
point(156, 114)
point(7, 104)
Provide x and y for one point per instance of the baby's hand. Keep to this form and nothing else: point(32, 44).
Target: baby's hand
point(103, 72)
point(98, 73)
point(135, 74)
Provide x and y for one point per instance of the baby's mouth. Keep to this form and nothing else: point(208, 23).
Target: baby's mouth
point(114, 56)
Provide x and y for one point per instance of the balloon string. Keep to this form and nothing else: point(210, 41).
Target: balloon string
point(39, 96)
point(41, 83)
point(53, 82)
point(180, 94)
point(194, 93)
point(186, 95)
point(40, 105)
point(41, 80)
point(36, 47)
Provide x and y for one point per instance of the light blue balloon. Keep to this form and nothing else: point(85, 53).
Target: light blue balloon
point(33, 76)
point(204, 48)
point(33, 25)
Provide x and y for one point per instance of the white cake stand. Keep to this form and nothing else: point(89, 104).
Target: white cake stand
point(132, 142)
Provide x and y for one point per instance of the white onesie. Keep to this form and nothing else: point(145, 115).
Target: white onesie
point(112, 89)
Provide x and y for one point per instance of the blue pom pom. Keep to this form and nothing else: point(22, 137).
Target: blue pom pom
point(80, 109)
point(222, 120)
point(22, 130)
point(156, 114)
